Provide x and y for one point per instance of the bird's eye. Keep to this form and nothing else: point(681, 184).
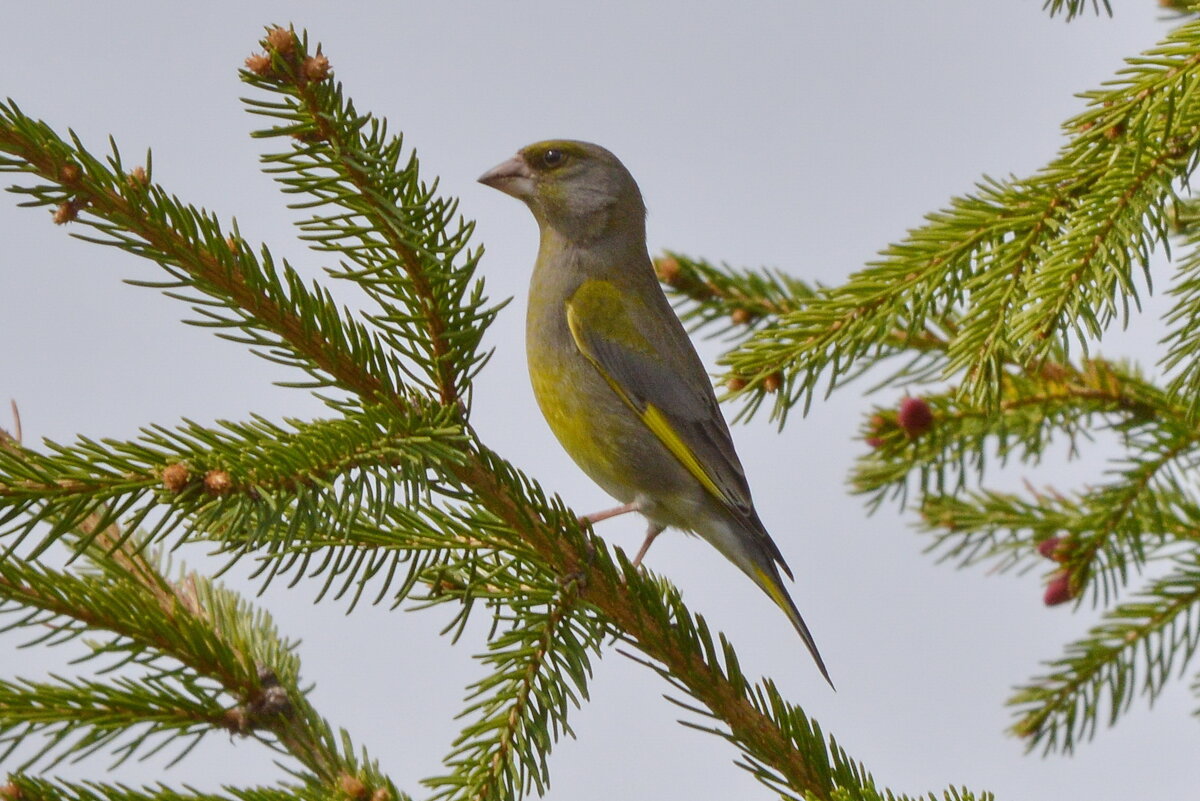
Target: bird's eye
point(553, 157)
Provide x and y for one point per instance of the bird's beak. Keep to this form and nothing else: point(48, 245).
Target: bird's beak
point(512, 177)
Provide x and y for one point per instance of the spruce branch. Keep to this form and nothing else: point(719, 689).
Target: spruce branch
point(708, 295)
point(1180, 7)
point(539, 668)
point(210, 661)
point(247, 298)
point(400, 238)
point(1183, 338)
point(738, 303)
point(1089, 537)
point(781, 746)
point(1031, 266)
point(1146, 508)
point(28, 788)
point(99, 715)
point(1134, 650)
point(1074, 8)
point(1059, 398)
point(1143, 506)
point(249, 478)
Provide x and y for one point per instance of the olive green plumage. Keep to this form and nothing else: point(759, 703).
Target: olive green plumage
point(613, 369)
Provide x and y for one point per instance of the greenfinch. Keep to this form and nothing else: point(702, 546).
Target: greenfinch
point(614, 372)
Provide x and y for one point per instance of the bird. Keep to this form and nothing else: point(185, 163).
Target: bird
point(614, 371)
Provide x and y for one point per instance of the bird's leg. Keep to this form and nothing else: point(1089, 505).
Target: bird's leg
point(654, 531)
point(596, 517)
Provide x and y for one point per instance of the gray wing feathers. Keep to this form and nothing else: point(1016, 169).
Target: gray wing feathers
point(673, 380)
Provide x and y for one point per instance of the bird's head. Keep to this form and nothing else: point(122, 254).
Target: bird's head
point(576, 188)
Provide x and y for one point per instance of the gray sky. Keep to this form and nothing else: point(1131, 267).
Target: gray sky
point(803, 136)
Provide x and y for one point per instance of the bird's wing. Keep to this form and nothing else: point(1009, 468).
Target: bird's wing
point(645, 356)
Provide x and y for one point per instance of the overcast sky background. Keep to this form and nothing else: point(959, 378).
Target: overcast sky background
point(803, 136)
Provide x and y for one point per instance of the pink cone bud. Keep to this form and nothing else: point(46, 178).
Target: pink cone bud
point(915, 417)
point(1058, 591)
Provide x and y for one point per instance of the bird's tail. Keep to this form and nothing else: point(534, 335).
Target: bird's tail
point(744, 541)
point(771, 582)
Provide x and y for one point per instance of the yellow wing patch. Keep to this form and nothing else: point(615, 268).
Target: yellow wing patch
point(601, 303)
point(662, 429)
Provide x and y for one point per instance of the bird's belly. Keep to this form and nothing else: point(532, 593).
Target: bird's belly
point(606, 438)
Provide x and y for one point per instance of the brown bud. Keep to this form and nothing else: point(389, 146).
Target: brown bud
point(175, 477)
point(1052, 371)
point(735, 383)
point(316, 68)
point(914, 417)
point(137, 178)
point(381, 794)
point(281, 40)
point(218, 482)
point(310, 135)
point(258, 63)
point(1115, 131)
point(773, 382)
point(668, 270)
point(1059, 590)
point(740, 316)
point(352, 786)
point(70, 173)
point(65, 212)
point(273, 701)
point(237, 720)
point(10, 792)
